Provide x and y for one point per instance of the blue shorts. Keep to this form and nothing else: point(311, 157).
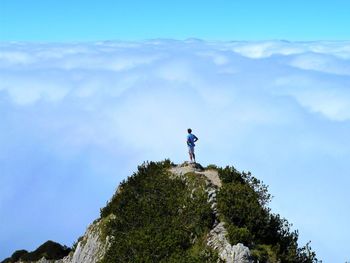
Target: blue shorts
point(190, 149)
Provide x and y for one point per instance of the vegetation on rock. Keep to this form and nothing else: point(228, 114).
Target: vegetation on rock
point(49, 250)
point(242, 201)
point(158, 218)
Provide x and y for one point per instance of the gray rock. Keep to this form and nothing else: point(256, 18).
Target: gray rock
point(90, 249)
point(228, 253)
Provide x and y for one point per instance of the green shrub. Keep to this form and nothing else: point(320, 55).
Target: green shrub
point(259, 188)
point(212, 167)
point(18, 254)
point(239, 235)
point(239, 204)
point(205, 256)
point(15, 256)
point(230, 175)
point(242, 202)
point(50, 250)
point(157, 218)
point(306, 255)
point(264, 254)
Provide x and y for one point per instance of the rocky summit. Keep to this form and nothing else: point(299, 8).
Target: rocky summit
point(182, 213)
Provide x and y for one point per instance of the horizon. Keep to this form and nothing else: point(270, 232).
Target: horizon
point(189, 39)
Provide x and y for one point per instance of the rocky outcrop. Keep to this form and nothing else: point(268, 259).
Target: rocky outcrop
point(228, 253)
point(89, 249)
point(92, 247)
point(210, 174)
point(217, 239)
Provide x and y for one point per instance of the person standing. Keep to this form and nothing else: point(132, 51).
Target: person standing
point(191, 139)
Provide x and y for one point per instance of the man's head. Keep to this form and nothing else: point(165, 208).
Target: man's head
point(189, 130)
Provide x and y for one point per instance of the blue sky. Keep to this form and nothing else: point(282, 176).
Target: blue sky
point(79, 113)
point(66, 20)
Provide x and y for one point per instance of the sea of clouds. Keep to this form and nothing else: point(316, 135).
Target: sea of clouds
point(77, 118)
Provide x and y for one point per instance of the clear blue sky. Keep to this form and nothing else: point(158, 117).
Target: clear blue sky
point(66, 20)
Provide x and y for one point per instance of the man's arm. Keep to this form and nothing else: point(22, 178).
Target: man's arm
point(195, 138)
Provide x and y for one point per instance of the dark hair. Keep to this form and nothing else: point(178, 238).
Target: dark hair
point(189, 130)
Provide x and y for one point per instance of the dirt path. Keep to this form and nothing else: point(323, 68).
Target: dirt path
point(211, 174)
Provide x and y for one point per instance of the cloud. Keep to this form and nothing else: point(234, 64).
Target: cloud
point(322, 63)
point(77, 118)
point(263, 49)
point(331, 98)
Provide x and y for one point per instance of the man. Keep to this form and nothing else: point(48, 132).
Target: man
point(191, 139)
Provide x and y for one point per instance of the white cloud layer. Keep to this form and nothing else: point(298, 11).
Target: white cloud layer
point(77, 118)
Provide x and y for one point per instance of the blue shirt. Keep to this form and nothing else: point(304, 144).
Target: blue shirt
point(190, 139)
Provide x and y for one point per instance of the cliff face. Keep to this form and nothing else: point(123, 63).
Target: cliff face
point(187, 213)
point(89, 249)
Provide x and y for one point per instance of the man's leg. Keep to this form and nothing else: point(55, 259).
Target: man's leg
point(193, 157)
point(190, 153)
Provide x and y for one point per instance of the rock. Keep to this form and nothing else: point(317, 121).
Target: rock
point(92, 247)
point(196, 166)
point(186, 167)
point(228, 253)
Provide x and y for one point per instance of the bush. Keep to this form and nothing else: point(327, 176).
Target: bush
point(242, 201)
point(239, 235)
point(15, 256)
point(306, 255)
point(230, 175)
point(239, 204)
point(264, 254)
point(211, 167)
point(49, 250)
point(157, 219)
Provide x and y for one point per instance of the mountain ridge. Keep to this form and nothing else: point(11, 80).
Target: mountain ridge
point(186, 213)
